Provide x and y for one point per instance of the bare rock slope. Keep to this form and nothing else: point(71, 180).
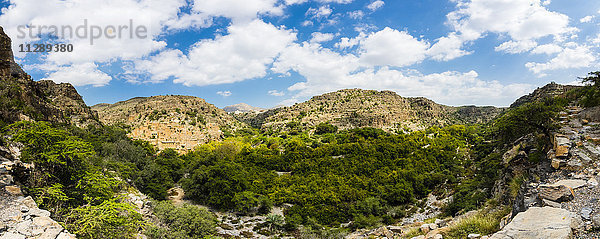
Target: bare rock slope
point(174, 121)
point(352, 108)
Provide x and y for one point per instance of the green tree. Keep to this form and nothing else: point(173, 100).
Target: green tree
point(110, 219)
point(186, 221)
point(325, 128)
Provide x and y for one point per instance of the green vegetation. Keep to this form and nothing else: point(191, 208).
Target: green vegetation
point(186, 221)
point(358, 174)
point(75, 176)
point(483, 222)
point(589, 96)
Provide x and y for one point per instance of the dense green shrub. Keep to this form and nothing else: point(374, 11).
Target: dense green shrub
point(185, 221)
point(325, 128)
point(109, 219)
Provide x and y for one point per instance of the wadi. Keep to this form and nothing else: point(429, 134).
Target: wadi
point(347, 164)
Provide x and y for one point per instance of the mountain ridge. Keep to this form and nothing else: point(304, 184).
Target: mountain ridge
point(170, 121)
point(352, 108)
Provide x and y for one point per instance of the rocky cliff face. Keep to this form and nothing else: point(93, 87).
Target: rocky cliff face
point(21, 98)
point(178, 122)
point(353, 108)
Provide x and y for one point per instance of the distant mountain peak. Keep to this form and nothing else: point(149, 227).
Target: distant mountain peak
point(242, 108)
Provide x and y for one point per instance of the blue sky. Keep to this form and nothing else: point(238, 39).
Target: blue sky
point(271, 52)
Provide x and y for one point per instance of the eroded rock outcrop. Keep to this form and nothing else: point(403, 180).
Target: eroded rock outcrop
point(538, 222)
point(21, 98)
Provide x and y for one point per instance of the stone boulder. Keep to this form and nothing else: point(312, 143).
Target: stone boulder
point(558, 193)
point(538, 222)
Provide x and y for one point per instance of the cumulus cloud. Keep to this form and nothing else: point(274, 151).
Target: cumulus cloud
point(224, 93)
point(523, 21)
point(322, 11)
point(244, 53)
point(276, 93)
point(80, 75)
point(237, 9)
point(290, 2)
point(375, 5)
point(358, 14)
point(516, 47)
point(326, 70)
point(547, 49)
point(574, 56)
point(447, 48)
point(390, 47)
point(155, 17)
point(321, 37)
point(586, 19)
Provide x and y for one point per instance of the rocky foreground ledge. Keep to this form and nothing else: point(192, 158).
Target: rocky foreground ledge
point(20, 216)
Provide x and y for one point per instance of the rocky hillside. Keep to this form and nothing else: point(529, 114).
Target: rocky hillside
point(547, 91)
point(242, 108)
point(21, 98)
point(353, 108)
point(179, 122)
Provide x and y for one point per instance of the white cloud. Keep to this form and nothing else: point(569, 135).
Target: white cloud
point(375, 5)
point(80, 75)
point(358, 14)
point(143, 13)
point(238, 10)
point(321, 37)
point(523, 21)
point(350, 42)
point(547, 49)
point(224, 93)
point(586, 19)
point(326, 71)
point(520, 19)
point(243, 54)
point(322, 11)
point(276, 93)
point(574, 56)
point(392, 47)
point(516, 47)
point(447, 48)
point(290, 2)
point(596, 40)
point(546, 2)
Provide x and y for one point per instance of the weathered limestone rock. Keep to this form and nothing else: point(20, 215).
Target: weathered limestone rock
point(549, 203)
point(561, 146)
point(586, 213)
point(13, 190)
point(557, 163)
point(556, 193)
point(474, 236)
point(425, 228)
point(538, 222)
point(29, 202)
point(396, 229)
point(10, 235)
point(570, 183)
